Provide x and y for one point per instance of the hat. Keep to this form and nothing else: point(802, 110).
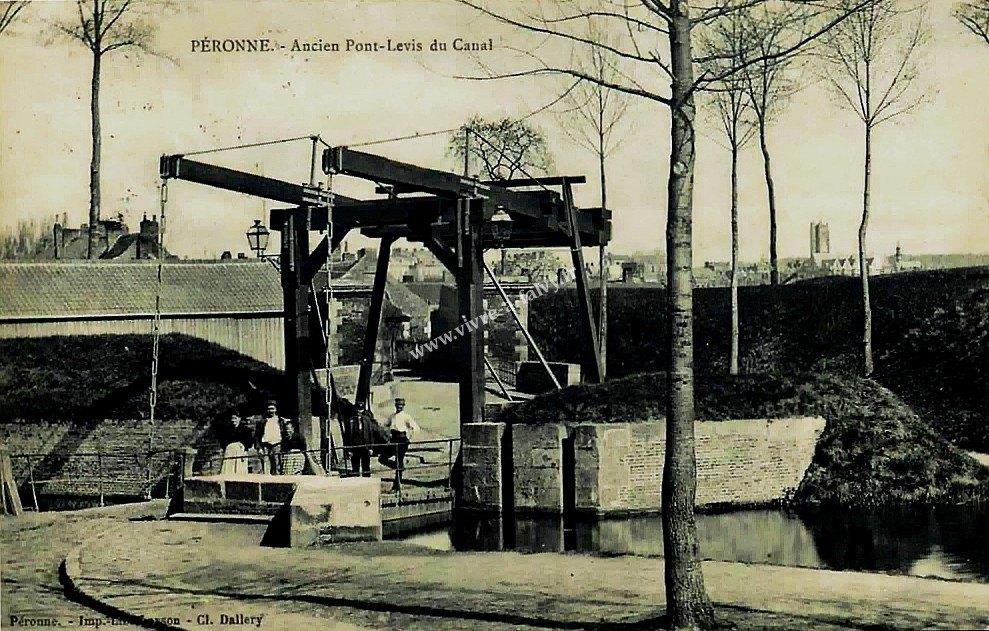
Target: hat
point(271, 402)
point(399, 400)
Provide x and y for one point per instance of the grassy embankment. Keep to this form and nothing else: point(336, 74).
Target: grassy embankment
point(874, 451)
point(931, 337)
point(98, 377)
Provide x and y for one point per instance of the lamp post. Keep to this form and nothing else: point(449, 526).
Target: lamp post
point(257, 240)
point(501, 231)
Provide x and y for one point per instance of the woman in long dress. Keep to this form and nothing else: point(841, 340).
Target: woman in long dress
point(236, 439)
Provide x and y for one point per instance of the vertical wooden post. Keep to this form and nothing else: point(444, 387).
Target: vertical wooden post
point(470, 299)
point(363, 394)
point(298, 363)
point(10, 499)
point(583, 289)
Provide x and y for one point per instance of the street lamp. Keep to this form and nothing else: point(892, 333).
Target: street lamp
point(257, 238)
point(501, 231)
point(501, 226)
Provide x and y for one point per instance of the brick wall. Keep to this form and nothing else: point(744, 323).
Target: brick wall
point(481, 482)
point(619, 467)
point(65, 453)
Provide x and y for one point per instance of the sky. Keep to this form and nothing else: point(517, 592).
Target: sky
point(930, 169)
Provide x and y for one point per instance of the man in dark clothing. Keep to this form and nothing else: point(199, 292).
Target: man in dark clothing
point(360, 436)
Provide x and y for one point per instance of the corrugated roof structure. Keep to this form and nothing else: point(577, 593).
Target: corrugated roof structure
point(93, 288)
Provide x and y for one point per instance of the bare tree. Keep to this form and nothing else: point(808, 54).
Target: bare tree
point(728, 42)
point(593, 119)
point(769, 86)
point(872, 67)
point(9, 13)
point(505, 148)
point(105, 26)
point(975, 17)
point(665, 76)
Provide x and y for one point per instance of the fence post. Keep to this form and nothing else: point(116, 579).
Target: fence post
point(34, 492)
point(99, 466)
point(449, 464)
point(147, 482)
point(168, 474)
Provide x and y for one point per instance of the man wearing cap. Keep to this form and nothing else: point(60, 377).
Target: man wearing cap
point(401, 426)
point(269, 437)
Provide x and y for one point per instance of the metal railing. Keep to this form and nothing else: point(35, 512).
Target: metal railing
point(95, 474)
point(506, 369)
point(426, 463)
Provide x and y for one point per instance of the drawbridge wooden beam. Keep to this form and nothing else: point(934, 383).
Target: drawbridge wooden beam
point(181, 168)
point(410, 178)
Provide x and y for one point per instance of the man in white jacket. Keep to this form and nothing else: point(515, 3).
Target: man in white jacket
point(401, 426)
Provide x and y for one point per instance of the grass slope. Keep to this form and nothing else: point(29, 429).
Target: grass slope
point(108, 376)
point(931, 337)
point(874, 450)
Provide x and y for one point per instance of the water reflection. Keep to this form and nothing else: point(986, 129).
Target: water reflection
point(943, 542)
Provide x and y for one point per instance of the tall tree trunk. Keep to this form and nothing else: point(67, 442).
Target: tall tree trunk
point(687, 602)
point(863, 263)
point(774, 270)
point(733, 361)
point(603, 270)
point(94, 164)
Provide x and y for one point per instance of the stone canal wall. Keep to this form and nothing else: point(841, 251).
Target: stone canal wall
point(481, 475)
point(538, 472)
point(618, 467)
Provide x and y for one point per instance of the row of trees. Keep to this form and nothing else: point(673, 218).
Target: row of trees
point(870, 62)
point(664, 52)
point(28, 239)
point(741, 52)
point(103, 27)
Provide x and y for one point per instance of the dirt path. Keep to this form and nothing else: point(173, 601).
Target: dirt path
point(31, 548)
point(205, 570)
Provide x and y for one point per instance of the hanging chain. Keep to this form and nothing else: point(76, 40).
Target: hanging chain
point(156, 329)
point(328, 289)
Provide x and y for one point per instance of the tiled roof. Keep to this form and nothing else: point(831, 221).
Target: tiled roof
point(101, 288)
point(407, 301)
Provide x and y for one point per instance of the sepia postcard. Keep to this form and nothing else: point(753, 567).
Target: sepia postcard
point(494, 314)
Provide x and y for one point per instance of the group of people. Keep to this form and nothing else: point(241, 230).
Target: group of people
point(282, 448)
point(277, 441)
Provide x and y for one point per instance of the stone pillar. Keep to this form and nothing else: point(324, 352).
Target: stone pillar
point(481, 461)
point(537, 451)
point(188, 455)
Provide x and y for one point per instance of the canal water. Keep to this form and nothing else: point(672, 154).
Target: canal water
point(945, 542)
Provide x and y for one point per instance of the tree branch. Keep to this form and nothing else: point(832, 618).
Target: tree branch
point(548, 31)
point(10, 11)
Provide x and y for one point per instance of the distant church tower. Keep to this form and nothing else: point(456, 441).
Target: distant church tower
point(820, 241)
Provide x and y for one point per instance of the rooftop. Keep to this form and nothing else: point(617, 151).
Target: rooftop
point(95, 288)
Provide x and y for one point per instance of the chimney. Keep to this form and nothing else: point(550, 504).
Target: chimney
point(59, 238)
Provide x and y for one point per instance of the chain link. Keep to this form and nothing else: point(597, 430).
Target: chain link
point(156, 328)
